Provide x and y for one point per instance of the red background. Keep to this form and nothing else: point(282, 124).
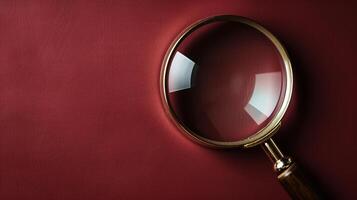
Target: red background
point(80, 111)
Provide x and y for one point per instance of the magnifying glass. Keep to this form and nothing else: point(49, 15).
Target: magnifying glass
point(226, 82)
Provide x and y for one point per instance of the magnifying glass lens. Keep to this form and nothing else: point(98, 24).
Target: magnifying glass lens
point(225, 81)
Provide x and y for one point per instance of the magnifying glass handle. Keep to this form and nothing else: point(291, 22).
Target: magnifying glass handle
point(289, 175)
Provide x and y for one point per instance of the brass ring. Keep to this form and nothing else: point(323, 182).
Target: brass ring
point(265, 133)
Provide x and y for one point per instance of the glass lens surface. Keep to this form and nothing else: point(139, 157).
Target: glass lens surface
point(224, 81)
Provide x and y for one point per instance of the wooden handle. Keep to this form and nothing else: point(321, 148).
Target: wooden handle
point(294, 182)
point(290, 177)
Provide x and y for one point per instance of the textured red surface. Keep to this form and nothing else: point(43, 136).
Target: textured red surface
point(80, 112)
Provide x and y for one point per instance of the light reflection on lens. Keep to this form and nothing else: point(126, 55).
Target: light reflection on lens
point(265, 96)
point(180, 76)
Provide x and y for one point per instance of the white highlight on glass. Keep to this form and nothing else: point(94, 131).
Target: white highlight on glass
point(180, 73)
point(265, 96)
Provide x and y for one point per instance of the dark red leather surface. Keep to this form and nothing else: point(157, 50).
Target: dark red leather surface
point(80, 111)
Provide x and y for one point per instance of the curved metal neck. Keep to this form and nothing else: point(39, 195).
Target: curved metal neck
point(272, 150)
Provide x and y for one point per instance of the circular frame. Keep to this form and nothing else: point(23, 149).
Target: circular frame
point(262, 135)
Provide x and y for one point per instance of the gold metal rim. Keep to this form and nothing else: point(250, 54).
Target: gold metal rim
point(265, 133)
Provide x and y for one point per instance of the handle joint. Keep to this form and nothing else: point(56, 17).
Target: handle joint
point(280, 161)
